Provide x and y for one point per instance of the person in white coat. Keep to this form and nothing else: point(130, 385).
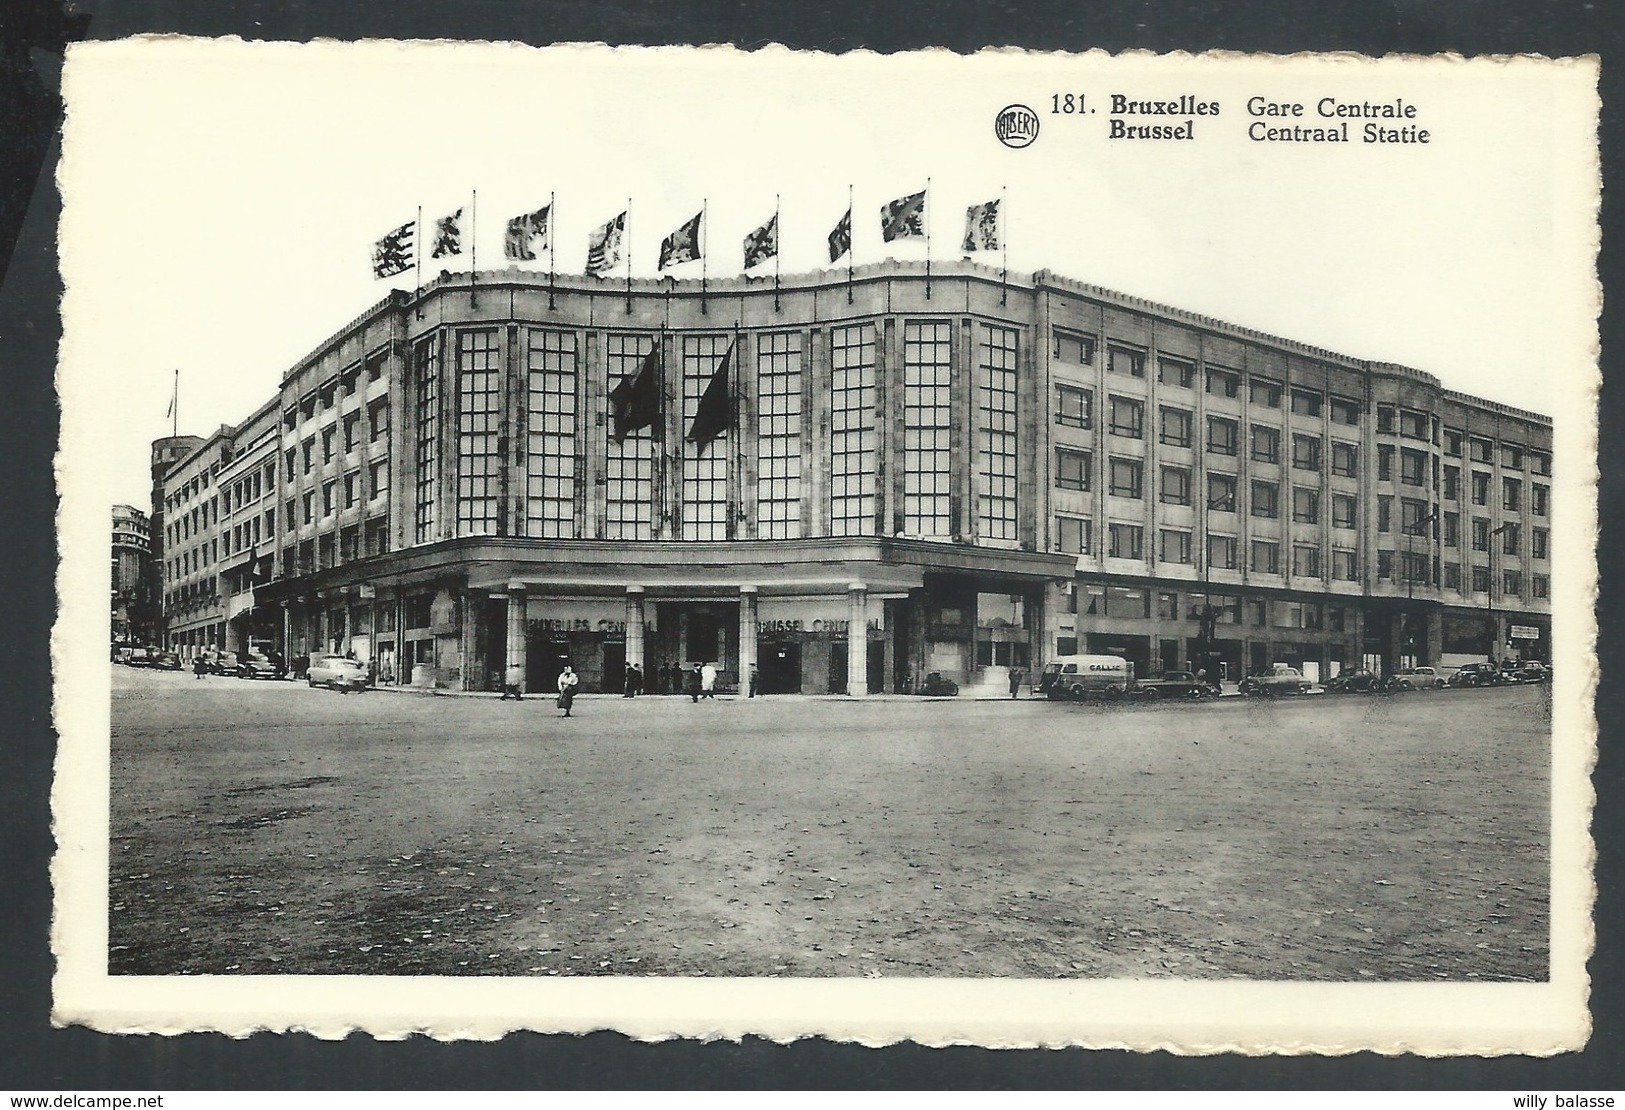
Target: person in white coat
point(568, 681)
point(708, 681)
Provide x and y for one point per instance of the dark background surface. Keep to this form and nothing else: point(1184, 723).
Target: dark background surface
point(35, 1057)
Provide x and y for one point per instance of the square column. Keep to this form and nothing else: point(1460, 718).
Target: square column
point(634, 626)
point(515, 651)
point(857, 640)
point(747, 635)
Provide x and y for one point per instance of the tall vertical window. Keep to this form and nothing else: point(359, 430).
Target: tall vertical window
point(996, 434)
point(629, 474)
point(550, 434)
point(705, 465)
point(854, 450)
point(479, 425)
point(778, 437)
point(927, 431)
point(426, 374)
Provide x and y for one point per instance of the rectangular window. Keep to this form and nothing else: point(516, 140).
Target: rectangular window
point(1221, 493)
point(1481, 488)
point(1266, 444)
point(1385, 514)
point(289, 457)
point(1266, 499)
point(1073, 346)
point(1176, 372)
point(1305, 505)
point(1452, 576)
point(1345, 411)
point(629, 462)
point(1345, 510)
point(705, 465)
point(1511, 494)
point(1126, 541)
point(1512, 583)
point(1540, 463)
point(1223, 383)
point(1480, 450)
point(550, 433)
point(1385, 419)
point(1073, 406)
point(1125, 478)
point(378, 479)
point(1305, 402)
point(778, 436)
point(1222, 435)
point(1452, 483)
point(1176, 545)
point(329, 439)
point(1540, 586)
point(289, 520)
point(352, 486)
point(1385, 462)
point(1451, 527)
point(1345, 565)
point(996, 432)
point(1221, 552)
point(1262, 391)
point(426, 375)
point(1385, 565)
point(1412, 467)
point(1305, 561)
point(1176, 485)
point(309, 506)
point(378, 421)
point(1413, 516)
point(1481, 534)
point(1511, 540)
point(1452, 443)
point(479, 424)
point(1481, 580)
point(1511, 456)
point(307, 455)
point(1071, 469)
point(1538, 495)
point(1306, 453)
point(1539, 540)
point(352, 422)
point(1345, 459)
point(1121, 360)
point(1266, 557)
point(1413, 425)
point(1176, 427)
point(1127, 417)
point(1072, 535)
point(853, 444)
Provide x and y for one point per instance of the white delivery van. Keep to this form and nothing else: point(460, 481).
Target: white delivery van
point(1087, 676)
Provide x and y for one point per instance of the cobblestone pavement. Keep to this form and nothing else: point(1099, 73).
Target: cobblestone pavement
point(270, 828)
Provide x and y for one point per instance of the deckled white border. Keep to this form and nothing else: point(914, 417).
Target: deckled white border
point(1180, 1016)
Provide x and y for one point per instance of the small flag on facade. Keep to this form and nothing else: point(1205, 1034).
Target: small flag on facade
point(635, 401)
point(448, 235)
point(392, 254)
point(526, 235)
point(604, 246)
point(982, 227)
point(840, 240)
point(682, 245)
point(763, 243)
point(714, 414)
point(903, 218)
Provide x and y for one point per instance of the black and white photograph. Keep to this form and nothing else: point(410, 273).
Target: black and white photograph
point(1008, 549)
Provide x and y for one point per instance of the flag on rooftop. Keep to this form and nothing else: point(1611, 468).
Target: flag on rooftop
point(840, 240)
point(392, 254)
point(763, 243)
point(714, 414)
point(448, 235)
point(903, 218)
point(982, 227)
point(682, 245)
point(527, 234)
point(635, 401)
point(604, 246)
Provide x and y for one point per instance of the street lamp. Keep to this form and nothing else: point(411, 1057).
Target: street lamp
point(1208, 619)
point(1411, 531)
point(1489, 588)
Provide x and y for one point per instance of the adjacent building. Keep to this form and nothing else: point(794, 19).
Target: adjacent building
point(916, 471)
point(132, 611)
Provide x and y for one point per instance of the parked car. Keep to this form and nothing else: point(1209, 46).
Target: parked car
point(1172, 684)
point(1083, 676)
point(1532, 670)
point(1278, 681)
point(1356, 681)
point(337, 672)
point(255, 665)
point(1414, 678)
point(221, 662)
point(1478, 674)
point(139, 657)
point(164, 660)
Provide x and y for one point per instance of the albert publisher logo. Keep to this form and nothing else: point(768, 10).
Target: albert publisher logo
point(1016, 126)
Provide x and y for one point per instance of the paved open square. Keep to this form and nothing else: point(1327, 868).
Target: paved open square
point(271, 828)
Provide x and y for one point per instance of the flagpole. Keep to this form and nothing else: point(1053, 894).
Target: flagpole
point(851, 242)
point(705, 208)
point(626, 233)
point(473, 245)
point(175, 405)
point(776, 230)
point(1004, 245)
point(552, 239)
point(925, 203)
point(417, 257)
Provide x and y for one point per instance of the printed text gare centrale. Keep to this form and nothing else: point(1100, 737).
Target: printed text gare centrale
point(1386, 121)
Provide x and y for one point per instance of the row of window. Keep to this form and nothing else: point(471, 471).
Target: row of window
point(337, 495)
point(303, 458)
point(334, 390)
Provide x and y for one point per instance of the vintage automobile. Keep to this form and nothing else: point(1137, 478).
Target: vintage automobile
point(337, 672)
point(1413, 678)
point(164, 660)
point(1478, 674)
point(1356, 681)
point(255, 665)
point(1172, 684)
point(221, 662)
point(1280, 680)
point(1086, 676)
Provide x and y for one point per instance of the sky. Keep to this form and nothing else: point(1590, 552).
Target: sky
point(221, 198)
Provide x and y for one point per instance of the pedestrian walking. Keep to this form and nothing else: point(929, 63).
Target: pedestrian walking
point(200, 665)
point(1015, 683)
point(512, 682)
point(694, 684)
point(755, 680)
point(568, 680)
point(708, 681)
point(629, 681)
point(637, 680)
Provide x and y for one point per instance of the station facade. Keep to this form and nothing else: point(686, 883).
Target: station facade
point(920, 471)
